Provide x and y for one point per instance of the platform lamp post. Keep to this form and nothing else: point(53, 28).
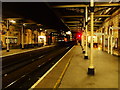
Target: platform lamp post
point(91, 66)
point(12, 20)
point(7, 40)
point(104, 41)
point(86, 29)
point(22, 38)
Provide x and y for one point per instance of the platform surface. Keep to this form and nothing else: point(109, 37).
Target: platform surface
point(4, 53)
point(106, 71)
point(71, 71)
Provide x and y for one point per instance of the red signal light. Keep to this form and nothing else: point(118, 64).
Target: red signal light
point(78, 36)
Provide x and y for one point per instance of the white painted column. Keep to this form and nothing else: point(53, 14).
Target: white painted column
point(86, 29)
point(111, 41)
point(92, 29)
point(91, 65)
point(82, 41)
point(104, 41)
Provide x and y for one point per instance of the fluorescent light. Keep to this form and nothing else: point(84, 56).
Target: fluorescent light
point(108, 10)
point(41, 36)
point(69, 32)
point(24, 24)
point(88, 18)
point(110, 1)
point(12, 21)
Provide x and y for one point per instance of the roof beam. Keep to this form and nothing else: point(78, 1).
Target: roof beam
point(70, 6)
point(95, 25)
point(82, 5)
point(102, 15)
point(72, 25)
point(73, 16)
point(83, 16)
point(79, 21)
point(107, 5)
point(73, 22)
point(98, 21)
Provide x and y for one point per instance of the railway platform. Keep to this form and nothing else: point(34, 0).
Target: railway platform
point(3, 53)
point(71, 71)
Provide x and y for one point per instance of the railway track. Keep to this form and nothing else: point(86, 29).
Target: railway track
point(27, 71)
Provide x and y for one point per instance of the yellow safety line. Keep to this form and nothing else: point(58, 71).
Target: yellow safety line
point(62, 74)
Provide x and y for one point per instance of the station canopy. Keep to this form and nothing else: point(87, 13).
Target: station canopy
point(60, 15)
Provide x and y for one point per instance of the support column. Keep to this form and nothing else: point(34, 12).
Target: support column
point(91, 66)
point(7, 40)
point(22, 37)
point(108, 44)
point(82, 40)
point(104, 42)
point(83, 43)
point(111, 50)
point(86, 29)
point(109, 40)
point(102, 39)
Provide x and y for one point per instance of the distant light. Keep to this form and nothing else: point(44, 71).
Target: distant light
point(41, 36)
point(39, 24)
point(45, 30)
point(88, 18)
point(69, 32)
point(79, 35)
point(40, 28)
point(24, 24)
point(12, 21)
point(99, 48)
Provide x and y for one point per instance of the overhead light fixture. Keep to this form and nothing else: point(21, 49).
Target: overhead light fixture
point(88, 18)
point(24, 24)
point(108, 10)
point(12, 21)
point(100, 18)
point(69, 32)
point(110, 1)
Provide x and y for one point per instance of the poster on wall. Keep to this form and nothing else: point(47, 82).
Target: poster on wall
point(11, 40)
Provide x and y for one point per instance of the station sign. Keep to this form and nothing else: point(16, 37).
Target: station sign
point(98, 34)
point(54, 34)
point(11, 40)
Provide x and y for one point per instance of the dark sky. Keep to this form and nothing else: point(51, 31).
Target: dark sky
point(36, 11)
